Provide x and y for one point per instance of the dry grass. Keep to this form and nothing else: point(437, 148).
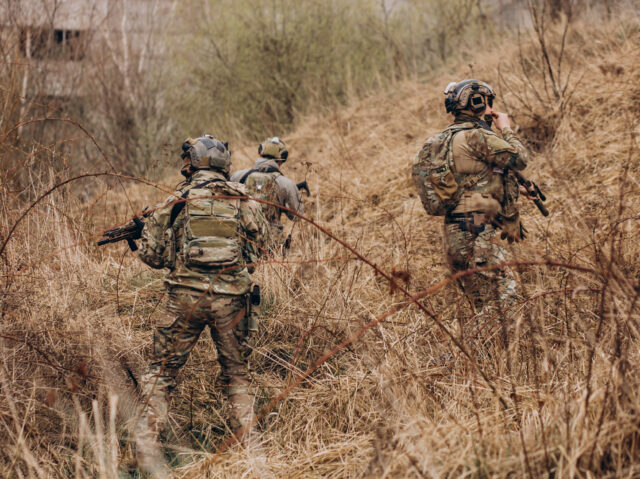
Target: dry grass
point(548, 389)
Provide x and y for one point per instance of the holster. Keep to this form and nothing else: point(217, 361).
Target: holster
point(169, 252)
point(253, 310)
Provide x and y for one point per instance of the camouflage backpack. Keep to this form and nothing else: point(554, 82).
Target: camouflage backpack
point(434, 172)
point(261, 185)
point(211, 229)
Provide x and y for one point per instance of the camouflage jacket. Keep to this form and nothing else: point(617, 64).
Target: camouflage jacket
point(162, 242)
point(483, 159)
point(287, 194)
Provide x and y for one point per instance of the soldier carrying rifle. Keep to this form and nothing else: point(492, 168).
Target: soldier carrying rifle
point(266, 182)
point(471, 176)
point(209, 236)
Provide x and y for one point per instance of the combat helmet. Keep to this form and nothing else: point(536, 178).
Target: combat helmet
point(273, 148)
point(470, 94)
point(206, 152)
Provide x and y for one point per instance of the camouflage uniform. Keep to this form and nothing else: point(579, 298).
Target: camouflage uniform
point(286, 195)
point(482, 160)
point(202, 296)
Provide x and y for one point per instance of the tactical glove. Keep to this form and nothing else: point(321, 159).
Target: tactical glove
point(512, 228)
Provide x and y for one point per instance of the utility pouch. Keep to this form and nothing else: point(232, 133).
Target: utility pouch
point(444, 184)
point(212, 252)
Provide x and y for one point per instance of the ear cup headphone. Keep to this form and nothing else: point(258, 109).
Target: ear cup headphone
point(477, 103)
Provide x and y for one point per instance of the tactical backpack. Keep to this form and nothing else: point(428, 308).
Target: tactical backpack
point(211, 230)
point(434, 171)
point(262, 185)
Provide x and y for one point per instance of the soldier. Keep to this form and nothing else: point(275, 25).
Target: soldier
point(210, 245)
point(464, 175)
point(265, 181)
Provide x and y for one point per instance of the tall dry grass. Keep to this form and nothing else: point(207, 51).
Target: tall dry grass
point(547, 388)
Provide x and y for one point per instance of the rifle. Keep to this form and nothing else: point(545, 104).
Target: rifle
point(129, 233)
point(304, 186)
point(533, 191)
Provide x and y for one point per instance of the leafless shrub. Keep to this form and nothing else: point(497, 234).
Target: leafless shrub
point(99, 63)
point(542, 81)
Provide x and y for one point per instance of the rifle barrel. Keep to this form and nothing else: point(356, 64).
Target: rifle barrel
point(541, 207)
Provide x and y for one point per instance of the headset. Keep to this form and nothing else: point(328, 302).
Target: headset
point(472, 94)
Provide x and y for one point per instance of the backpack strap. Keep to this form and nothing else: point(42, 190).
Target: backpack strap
point(453, 130)
point(179, 205)
point(270, 169)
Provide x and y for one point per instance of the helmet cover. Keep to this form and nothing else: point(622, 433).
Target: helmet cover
point(273, 148)
point(206, 152)
point(470, 94)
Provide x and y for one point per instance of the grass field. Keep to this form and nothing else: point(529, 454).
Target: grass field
point(354, 378)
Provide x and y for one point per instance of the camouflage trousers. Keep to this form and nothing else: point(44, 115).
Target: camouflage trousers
point(466, 250)
point(226, 317)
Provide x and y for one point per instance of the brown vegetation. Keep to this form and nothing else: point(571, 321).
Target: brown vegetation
point(548, 389)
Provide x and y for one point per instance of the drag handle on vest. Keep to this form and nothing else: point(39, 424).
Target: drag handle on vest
point(129, 233)
point(533, 191)
point(304, 186)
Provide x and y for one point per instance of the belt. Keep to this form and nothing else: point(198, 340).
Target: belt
point(457, 217)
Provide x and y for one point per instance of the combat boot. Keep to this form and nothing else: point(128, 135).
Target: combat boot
point(242, 417)
point(150, 426)
point(148, 452)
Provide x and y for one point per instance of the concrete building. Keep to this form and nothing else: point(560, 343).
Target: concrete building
point(60, 41)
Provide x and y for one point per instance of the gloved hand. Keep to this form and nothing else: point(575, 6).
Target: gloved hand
point(512, 228)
